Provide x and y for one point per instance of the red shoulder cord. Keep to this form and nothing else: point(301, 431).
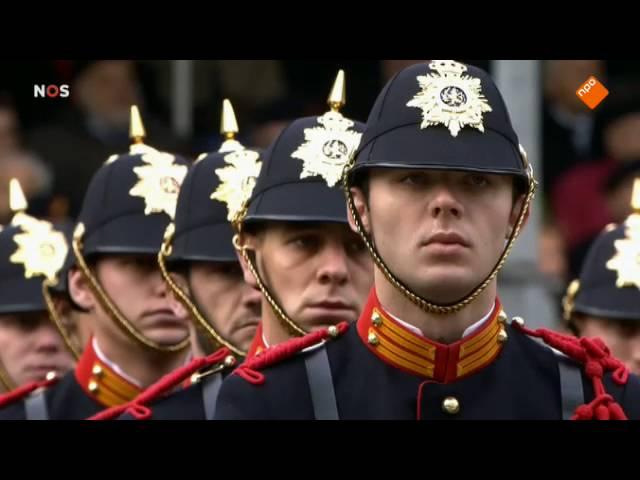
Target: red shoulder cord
point(137, 407)
point(597, 359)
point(21, 392)
point(249, 369)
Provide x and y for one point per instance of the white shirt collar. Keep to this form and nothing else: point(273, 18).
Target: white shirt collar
point(468, 331)
point(308, 349)
point(112, 365)
point(103, 358)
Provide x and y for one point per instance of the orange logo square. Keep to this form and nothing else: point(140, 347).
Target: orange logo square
point(592, 92)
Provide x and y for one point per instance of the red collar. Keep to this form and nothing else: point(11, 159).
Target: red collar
point(257, 345)
point(102, 383)
point(396, 345)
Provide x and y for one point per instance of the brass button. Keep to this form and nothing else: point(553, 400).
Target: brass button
point(376, 319)
point(451, 405)
point(332, 331)
point(502, 336)
point(229, 361)
point(518, 321)
point(93, 387)
point(373, 339)
point(97, 370)
point(502, 317)
point(50, 375)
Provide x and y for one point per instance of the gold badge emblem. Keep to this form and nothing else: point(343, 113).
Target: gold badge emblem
point(41, 249)
point(159, 180)
point(237, 180)
point(450, 98)
point(626, 260)
point(327, 148)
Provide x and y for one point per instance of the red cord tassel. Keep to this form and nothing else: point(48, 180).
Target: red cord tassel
point(597, 359)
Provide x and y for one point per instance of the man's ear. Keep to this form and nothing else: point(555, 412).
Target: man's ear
point(79, 290)
point(362, 209)
point(250, 241)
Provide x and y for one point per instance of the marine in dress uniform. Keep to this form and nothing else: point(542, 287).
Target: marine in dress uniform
point(213, 191)
point(126, 209)
point(298, 188)
point(433, 123)
point(605, 300)
point(32, 252)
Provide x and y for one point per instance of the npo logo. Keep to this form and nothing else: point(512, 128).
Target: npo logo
point(50, 91)
point(592, 92)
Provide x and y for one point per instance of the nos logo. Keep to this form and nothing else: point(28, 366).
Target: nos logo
point(51, 91)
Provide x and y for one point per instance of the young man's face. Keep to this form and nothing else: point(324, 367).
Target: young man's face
point(440, 232)
point(621, 336)
point(320, 273)
point(30, 347)
point(135, 285)
point(230, 304)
